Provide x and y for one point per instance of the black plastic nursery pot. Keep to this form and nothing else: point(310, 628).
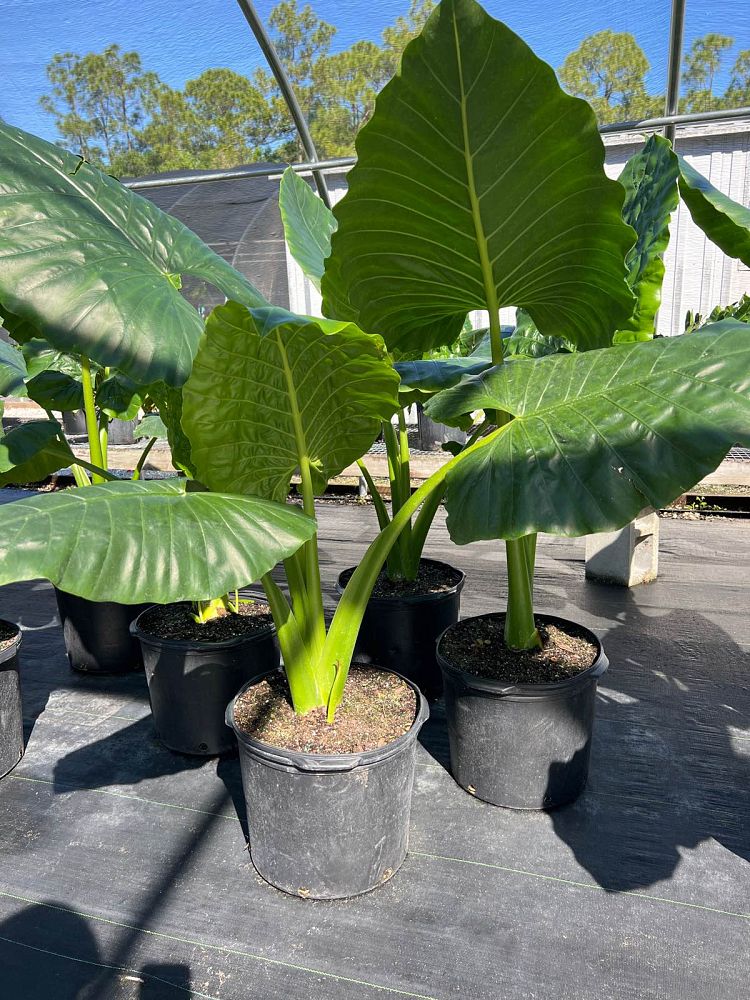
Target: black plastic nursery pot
point(328, 826)
point(400, 633)
point(97, 634)
point(11, 710)
point(190, 684)
point(525, 746)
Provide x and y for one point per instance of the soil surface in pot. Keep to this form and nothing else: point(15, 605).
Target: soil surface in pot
point(377, 707)
point(476, 645)
point(175, 621)
point(8, 633)
point(432, 578)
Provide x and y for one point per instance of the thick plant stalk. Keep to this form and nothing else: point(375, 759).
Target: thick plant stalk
point(520, 629)
point(298, 667)
point(343, 631)
point(92, 425)
point(314, 628)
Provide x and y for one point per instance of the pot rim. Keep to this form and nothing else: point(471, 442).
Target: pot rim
point(502, 689)
point(413, 598)
point(326, 762)
point(149, 639)
point(10, 651)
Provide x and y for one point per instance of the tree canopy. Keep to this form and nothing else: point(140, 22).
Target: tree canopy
point(118, 115)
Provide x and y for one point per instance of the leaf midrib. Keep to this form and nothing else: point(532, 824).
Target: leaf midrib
point(488, 279)
point(636, 380)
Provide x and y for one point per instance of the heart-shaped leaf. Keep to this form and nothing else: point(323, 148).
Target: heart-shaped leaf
point(651, 195)
point(169, 402)
point(95, 268)
point(270, 391)
point(54, 390)
point(32, 451)
point(136, 542)
point(597, 436)
point(422, 379)
point(308, 224)
point(41, 357)
point(119, 397)
point(479, 184)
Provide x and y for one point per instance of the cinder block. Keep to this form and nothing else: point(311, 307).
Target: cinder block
point(626, 557)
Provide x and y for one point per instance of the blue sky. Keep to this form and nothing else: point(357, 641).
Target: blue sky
point(180, 38)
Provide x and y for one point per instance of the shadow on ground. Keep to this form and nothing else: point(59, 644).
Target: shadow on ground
point(49, 950)
point(666, 772)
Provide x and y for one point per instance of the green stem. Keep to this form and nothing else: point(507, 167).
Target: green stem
point(300, 673)
point(393, 452)
point(80, 476)
point(419, 529)
point(520, 629)
point(343, 631)
point(314, 625)
point(399, 558)
point(104, 437)
point(142, 459)
point(409, 566)
point(104, 426)
point(92, 427)
point(381, 510)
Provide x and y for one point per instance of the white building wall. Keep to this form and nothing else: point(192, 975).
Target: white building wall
point(698, 275)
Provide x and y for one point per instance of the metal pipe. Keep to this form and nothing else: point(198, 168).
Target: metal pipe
point(342, 162)
point(676, 32)
point(236, 173)
point(287, 91)
point(692, 118)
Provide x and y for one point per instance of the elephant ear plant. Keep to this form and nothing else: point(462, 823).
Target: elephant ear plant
point(414, 600)
point(90, 277)
point(479, 184)
point(308, 227)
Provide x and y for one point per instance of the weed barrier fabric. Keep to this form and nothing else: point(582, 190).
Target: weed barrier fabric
point(126, 875)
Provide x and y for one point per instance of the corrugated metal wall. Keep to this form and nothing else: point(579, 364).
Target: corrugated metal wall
point(698, 275)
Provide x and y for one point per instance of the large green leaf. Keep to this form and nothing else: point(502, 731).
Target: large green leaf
point(41, 357)
point(12, 371)
point(20, 329)
point(527, 342)
point(32, 451)
point(169, 402)
point(95, 267)
point(651, 195)
point(422, 379)
point(597, 436)
point(308, 224)
point(725, 222)
point(136, 542)
point(479, 184)
point(119, 397)
point(54, 390)
point(270, 389)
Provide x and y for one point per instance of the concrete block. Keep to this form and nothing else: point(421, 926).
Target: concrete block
point(626, 557)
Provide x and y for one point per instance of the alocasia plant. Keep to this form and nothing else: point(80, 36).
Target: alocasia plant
point(478, 187)
point(480, 184)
